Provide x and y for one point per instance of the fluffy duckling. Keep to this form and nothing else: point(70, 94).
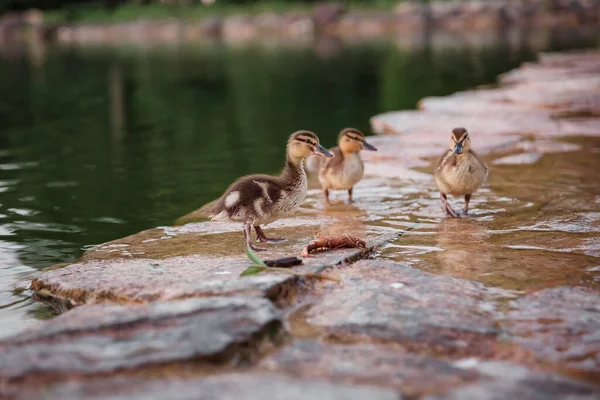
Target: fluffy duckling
point(460, 171)
point(344, 170)
point(258, 200)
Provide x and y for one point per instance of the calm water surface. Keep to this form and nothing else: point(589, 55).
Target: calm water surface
point(97, 144)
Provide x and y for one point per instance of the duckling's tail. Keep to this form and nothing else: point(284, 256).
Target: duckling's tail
point(203, 213)
point(314, 164)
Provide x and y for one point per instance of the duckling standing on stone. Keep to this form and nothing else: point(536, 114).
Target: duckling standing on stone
point(460, 171)
point(261, 199)
point(346, 168)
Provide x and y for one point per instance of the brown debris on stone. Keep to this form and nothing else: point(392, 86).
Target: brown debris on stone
point(324, 243)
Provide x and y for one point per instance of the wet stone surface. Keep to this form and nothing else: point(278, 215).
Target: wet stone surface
point(226, 387)
point(122, 271)
point(370, 364)
point(510, 381)
point(501, 304)
point(513, 259)
point(101, 339)
point(387, 317)
point(395, 303)
point(561, 325)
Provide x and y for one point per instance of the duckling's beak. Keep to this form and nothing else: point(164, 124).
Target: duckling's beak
point(368, 146)
point(458, 148)
point(322, 151)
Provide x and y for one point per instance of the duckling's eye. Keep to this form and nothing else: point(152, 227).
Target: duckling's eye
point(307, 141)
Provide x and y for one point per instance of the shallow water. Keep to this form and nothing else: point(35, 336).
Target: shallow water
point(99, 143)
point(535, 226)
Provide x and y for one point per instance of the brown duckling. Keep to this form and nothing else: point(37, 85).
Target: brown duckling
point(460, 172)
point(346, 169)
point(261, 199)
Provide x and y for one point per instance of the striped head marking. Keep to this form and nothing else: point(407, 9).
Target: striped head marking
point(459, 141)
point(352, 140)
point(302, 144)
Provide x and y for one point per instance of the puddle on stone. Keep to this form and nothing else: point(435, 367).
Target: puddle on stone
point(223, 239)
point(535, 226)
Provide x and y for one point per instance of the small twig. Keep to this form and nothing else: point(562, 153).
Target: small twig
point(260, 266)
point(283, 262)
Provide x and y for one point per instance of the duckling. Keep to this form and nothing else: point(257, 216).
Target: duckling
point(258, 200)
point(460, 172)
point(346, 168)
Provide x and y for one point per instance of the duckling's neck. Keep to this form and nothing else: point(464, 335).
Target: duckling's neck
point(349, 153)
point(293, 172)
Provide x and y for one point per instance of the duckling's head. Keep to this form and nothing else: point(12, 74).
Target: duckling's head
point(352, 140)
point(302, 144)
point(459, 141)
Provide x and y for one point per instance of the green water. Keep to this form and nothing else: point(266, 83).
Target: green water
point(97, 144)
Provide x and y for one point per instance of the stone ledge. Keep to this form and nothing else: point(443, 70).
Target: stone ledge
point(398, 305)
point(386, 302)
point(561, 326)
point(510, 381)
point(221, 387)
point(102, 339)
point(367, 364)
point(127, 276)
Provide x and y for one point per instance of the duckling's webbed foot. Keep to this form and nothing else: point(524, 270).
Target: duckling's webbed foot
point(248, 237)
point(261, 237)
point(449, 210)
point(254, 247)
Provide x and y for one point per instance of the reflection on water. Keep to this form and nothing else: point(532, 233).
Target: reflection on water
point(97, 144)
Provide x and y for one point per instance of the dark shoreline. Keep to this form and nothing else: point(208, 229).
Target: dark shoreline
point(325, 19)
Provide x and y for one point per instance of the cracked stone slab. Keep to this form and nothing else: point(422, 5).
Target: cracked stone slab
point(234, 386)
point(552, 67)
point(535, 99)
point(368, 364)
point(194, 260)
point(560, 325)
point(396, 303)
point(101, 339)
point(510, 381)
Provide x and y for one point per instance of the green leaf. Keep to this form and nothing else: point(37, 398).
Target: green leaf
point(253, 270)
point(252, 256)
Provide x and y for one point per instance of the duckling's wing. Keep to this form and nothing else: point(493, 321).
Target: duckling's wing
point(480, 161)
point(249, 196)
point(448, 158)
